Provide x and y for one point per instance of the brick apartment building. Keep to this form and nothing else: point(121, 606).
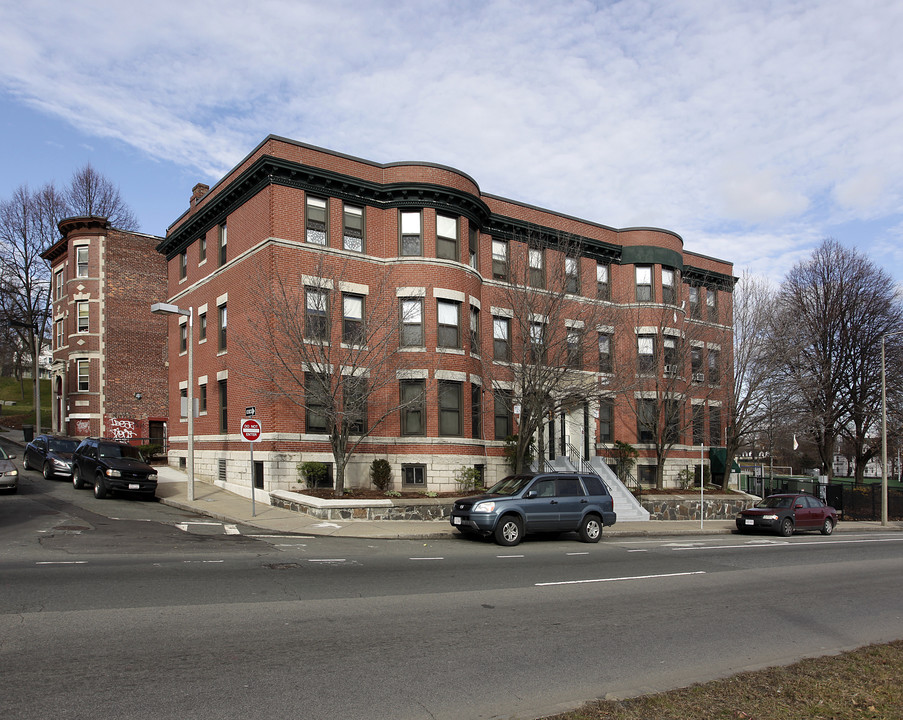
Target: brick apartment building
point(447, 249)
point(108, 374)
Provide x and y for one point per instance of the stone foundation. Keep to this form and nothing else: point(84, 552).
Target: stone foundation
point(388, 509)
point(686, 507)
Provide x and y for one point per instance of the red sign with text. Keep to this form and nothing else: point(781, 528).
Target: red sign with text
point(251, 430)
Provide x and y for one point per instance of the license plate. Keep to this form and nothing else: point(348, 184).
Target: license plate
point(750, 522)
point(456, 521)
point(134, 486)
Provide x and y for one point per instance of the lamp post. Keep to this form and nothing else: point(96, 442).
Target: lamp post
point(884, 431)
point(167, 309)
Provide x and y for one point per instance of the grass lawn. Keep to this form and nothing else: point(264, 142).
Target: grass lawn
point(22, 393)
point(862, 684)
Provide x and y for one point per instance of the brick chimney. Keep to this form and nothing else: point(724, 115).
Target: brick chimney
point(198, 192)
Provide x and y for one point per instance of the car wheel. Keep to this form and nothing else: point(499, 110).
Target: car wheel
point(78, 482)
point(100, 490)
point(509, 531)
point(828, 527)
point(786, 527)
point(591, 529)
point(48, 472)
point(25, 465)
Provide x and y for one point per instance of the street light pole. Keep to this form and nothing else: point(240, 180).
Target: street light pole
point(167, 309)
point(884, 431)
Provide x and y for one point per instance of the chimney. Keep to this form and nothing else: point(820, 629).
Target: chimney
point(198, 192)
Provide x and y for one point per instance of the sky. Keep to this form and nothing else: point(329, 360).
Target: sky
point(753, 129)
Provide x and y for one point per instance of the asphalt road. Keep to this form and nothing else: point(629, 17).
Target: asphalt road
point(119, 608)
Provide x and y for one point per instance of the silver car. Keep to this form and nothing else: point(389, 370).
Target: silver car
point(9, 475)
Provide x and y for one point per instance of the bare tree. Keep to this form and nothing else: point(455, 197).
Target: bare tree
point(834, 309)
point(28, 226)
point(330, 352)
point(91, 193)
point(753, 365)
point(544, 338)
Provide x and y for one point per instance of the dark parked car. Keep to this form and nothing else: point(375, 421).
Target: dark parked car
point(542, 502)
point(112, 466)
point(786, 513)
point(9, 475)
point(51, 454)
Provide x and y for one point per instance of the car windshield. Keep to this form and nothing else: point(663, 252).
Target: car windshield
point(63, 445)
point(776, 502)
point(511, 485)
point(119, 451)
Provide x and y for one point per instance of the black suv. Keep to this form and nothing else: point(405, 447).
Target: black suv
point(540, 502)
point(112, 466)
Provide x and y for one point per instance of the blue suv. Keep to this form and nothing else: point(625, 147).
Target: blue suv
point(539, 502)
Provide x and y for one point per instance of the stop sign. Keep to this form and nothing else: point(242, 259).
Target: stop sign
point(251, 430)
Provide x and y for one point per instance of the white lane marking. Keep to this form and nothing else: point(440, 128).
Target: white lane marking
point(619, 579)
point(189, 562)
point(426, 558)
point(509, 556)
point(62, 562)
point(638, 550)
point(327, 525)
point(780, 543)
point(285, 537)
point(577, 553)
point(327, 560)
point(231, 529)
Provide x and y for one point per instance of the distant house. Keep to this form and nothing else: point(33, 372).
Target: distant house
point(108, 371)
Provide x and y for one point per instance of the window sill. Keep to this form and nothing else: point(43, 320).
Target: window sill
point(450, 351)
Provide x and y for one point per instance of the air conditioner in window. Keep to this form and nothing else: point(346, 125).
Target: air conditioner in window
point(699, 377)
point(670, 369)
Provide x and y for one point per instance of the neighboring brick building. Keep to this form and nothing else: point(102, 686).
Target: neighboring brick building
point(109, 374)
point(287, 205)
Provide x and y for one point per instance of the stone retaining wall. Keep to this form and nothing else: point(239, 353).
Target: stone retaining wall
point(686, 507)
point(389, 509)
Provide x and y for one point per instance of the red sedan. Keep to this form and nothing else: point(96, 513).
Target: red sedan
point(786, 513)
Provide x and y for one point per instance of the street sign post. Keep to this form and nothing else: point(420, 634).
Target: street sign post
point(251, 431)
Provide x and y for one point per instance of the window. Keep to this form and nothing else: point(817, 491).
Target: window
point(603, 286)
point(202, 326)
point(82, 312)
point(572, 274)
point(411, 237)
point(476, 411)
point(222, 385)
point(575, 348)
point(413, 475)
point(669, 295)
point(473, 243)
point(60, 334)
point(354, 398)
point(183, 403)
point(81, 261)
point(672, 410)
point(353, 319)
point(412, 401)
point(536, 263)
point(499, 259)
point(58, 284)
point(605, 365)
point(714, 425)
point(315, 223)
point(647, 415)
point(669, 350)
point(183, 264)
point(448, 323)
point(711, 301)
point(474, 330)
point(411, 322)
point(84, 368)
point(698, 424)
point(645, 353)
point(606, 420)
point(693, 299)
point(643, 283)
point(446, 237)
point(501, 332)
point(316, 321)
point(696, 361)
point(315, 403)
point(537, 341)
point(223, 322)
point(183, 337)
point(223, 239)
point(202, 249)
point(449, 408)
point(714, 367)
point(353, 228)
point(202, 398)
point(504, 415)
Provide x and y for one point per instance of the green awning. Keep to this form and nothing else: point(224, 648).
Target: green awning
point(718, 456)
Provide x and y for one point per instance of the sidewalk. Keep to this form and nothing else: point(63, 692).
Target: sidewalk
point(220, 504)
